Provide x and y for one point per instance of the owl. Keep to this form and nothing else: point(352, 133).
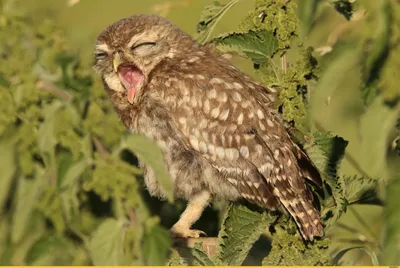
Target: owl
point(218, 130)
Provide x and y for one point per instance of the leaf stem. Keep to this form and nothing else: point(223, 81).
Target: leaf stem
point(219, 15)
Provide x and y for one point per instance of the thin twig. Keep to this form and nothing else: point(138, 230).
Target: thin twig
point(284, 63)
point(275, 70)
point(100, 147)
point(53, 89)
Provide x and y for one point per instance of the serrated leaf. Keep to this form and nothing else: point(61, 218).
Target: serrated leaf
point(326, 152)
point(359, 189)
point(209, 19)
point(240, 230)
point(107, 244)
point(376, 126)
point(201, 258)
point(193, 256)
point(148, 152)
point(28, 191)
point(156, 246)
point(257, 46)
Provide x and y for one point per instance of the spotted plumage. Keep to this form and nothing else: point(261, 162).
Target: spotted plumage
point(217, 127)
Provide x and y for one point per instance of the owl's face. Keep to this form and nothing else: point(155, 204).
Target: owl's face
point(128, 50)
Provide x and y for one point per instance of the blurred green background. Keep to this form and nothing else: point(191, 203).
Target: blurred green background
point(338, 111)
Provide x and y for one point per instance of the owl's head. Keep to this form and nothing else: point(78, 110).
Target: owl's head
point(128, 50)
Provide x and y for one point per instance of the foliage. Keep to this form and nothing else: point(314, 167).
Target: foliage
point(63, 157)
point(71, 192)
point(267, 36)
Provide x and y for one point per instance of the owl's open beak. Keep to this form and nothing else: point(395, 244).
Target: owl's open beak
point(130, 76)
point(117, 61)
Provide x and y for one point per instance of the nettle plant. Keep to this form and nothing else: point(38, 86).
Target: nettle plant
point(70, 189)
point(268, 34)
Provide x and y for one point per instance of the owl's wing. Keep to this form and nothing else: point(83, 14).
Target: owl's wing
point(230, 121)
point(232, 124)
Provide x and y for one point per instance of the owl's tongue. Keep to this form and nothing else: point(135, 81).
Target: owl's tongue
point(132, 79)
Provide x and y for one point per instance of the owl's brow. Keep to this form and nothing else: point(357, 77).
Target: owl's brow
point(150, 36)
point(103, 47)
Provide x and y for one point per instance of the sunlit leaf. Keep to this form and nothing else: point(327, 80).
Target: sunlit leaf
point(151, 155)
point(50, 250)
point(257, 46)
point(28, 192)
point(107, 244)
point(68, 187)
point(192, 256)
point(241, 228)
point(46, 132)
point(156, 246)
point(360, 189)
point(326, 152)
point(210, 18)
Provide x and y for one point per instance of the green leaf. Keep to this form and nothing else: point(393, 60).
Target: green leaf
point(46, 132)
point(376, 50)
point(148, 152)
point(107, 244)
point(28, 191)
point(191, 256)
point(68, 189)
point(307, 11)
point(359, 189)
point(156, 246)
point(368, 250)
point(8, 168)
point(210, 17)
point(50, 250)
point(257, 46)
point(240, 230)
point(289, 250)
point(388, 83)
point(376, 126)
point(3, 81)
point(391, 240)
point(326, 152)
point(175, 259)
point(341, 74)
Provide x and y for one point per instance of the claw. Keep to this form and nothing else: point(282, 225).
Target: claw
point(177, 231)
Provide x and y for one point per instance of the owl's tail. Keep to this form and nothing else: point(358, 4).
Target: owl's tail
point(306, 216)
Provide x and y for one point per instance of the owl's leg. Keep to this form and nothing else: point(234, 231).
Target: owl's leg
point(192, 213)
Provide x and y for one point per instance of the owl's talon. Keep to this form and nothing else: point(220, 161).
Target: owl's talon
point(178, 232)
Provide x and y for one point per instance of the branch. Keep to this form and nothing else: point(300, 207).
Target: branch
point(53, 89)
